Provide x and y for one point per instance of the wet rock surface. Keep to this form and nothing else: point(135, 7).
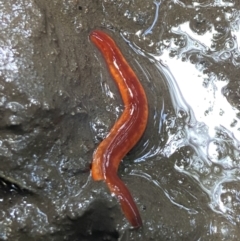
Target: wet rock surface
point(57, 102)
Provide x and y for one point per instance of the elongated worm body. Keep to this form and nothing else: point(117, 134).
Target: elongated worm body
point(127, 130)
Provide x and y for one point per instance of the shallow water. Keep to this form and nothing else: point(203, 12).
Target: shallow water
point(193, 57)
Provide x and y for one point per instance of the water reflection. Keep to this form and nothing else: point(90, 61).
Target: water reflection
point(209, 123)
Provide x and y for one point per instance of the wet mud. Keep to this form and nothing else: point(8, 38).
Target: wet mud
point(58, 101)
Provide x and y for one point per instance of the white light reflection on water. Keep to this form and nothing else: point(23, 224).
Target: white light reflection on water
point(207, 102)
point(212, 110)
point(211, 128)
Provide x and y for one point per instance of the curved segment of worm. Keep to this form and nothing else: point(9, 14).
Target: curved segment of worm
point(127, 130)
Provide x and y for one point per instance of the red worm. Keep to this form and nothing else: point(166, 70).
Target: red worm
point(127, 130)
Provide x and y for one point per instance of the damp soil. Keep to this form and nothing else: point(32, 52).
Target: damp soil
point(58, 101)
